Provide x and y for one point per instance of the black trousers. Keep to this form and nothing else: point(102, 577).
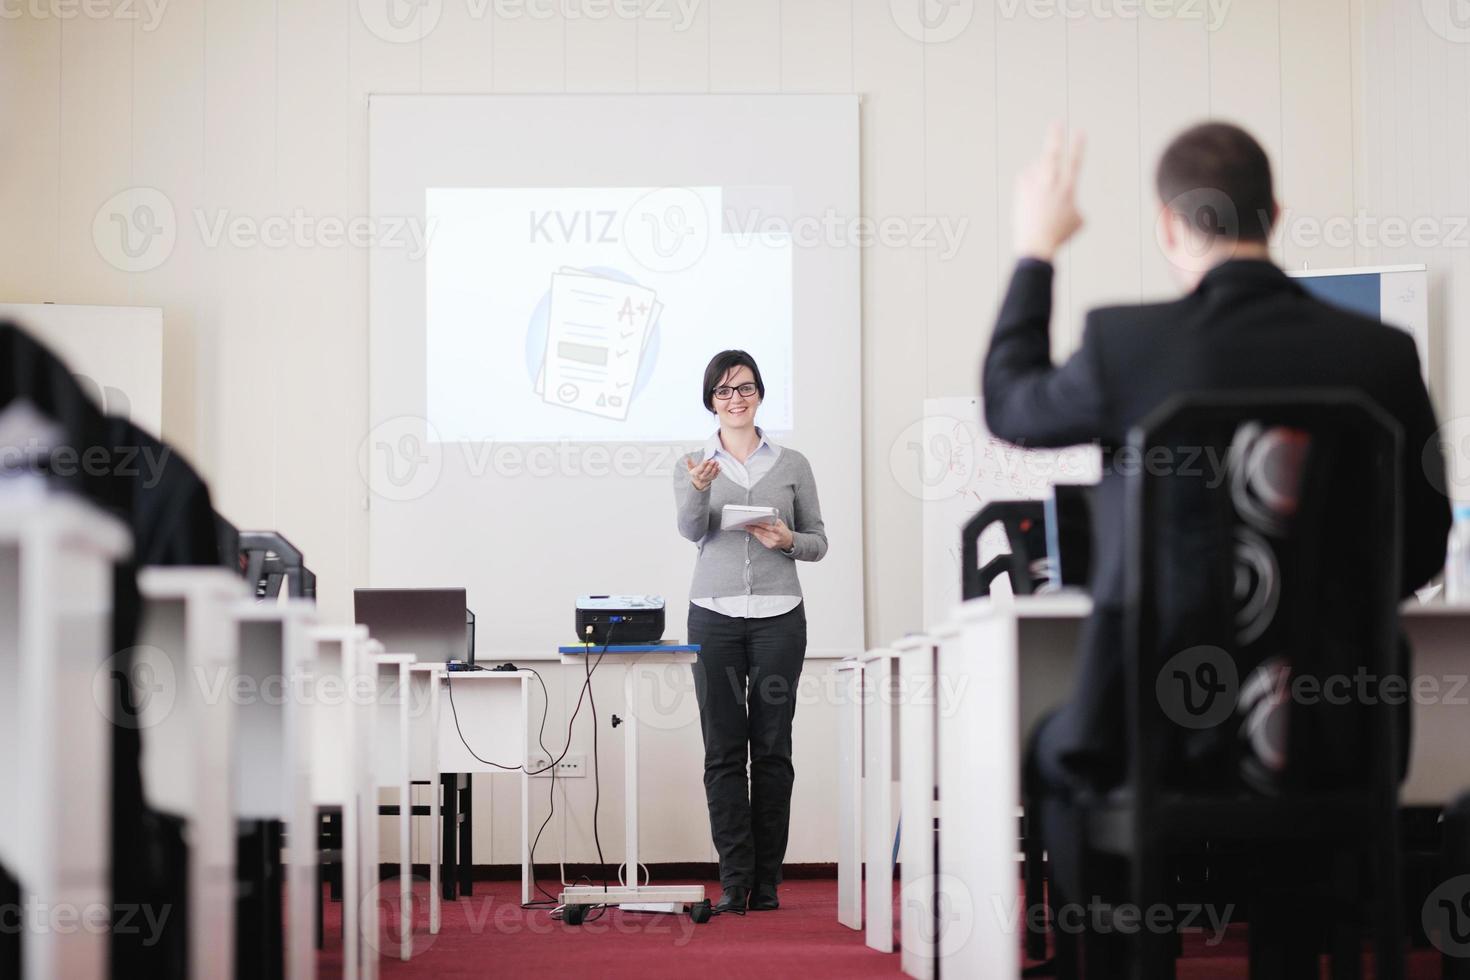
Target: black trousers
point(1051, 790)
point(745, 679)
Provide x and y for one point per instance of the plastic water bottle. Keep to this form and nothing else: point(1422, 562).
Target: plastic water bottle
point(1457, 561)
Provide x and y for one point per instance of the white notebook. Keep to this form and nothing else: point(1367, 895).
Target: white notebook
point(735, 516)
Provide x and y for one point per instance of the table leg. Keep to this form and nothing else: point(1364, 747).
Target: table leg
point(630, 773)
point(449, 818)
point(436, 849)
point(467, 838)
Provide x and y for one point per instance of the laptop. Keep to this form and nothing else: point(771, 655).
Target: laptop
point(432, 624)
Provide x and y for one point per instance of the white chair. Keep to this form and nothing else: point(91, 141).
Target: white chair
point(56, 557)
point(188, 642)
point(273, 754)
point(390, 741)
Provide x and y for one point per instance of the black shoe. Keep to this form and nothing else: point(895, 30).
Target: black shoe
point(733, 900)
point(764, 899)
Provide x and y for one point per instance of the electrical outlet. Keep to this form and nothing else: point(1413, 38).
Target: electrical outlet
point(570, 765)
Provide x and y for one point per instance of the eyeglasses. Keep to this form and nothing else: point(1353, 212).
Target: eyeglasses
point(725, 392)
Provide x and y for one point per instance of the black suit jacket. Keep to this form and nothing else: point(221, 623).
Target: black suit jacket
point(1247, 326)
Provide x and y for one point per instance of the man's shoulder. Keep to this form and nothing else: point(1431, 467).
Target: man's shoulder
point(1128, 321)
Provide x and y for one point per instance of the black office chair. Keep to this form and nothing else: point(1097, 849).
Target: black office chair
point(269, 561)
point(1287, 568)
point(1446, 902)
point(1024, 522)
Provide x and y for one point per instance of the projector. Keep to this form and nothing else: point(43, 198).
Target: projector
point(628, 618)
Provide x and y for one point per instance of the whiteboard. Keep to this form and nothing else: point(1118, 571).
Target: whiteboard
point(116, 352)
point(957, 467)
point(526, 518)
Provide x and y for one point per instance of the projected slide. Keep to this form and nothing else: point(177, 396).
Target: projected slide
point(589, 314)
point(1396, 294)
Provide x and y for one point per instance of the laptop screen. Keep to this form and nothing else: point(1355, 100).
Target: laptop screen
point(429, 623)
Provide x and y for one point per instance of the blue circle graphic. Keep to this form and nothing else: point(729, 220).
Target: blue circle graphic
point(541, 318)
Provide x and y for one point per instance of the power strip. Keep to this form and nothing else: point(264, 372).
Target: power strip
point(570, 766)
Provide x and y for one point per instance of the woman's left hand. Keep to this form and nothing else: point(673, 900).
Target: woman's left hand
point(776, 536)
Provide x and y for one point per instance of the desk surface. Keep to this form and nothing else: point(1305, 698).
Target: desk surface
point(1051, 605)
point(1071, 604)
point(486, 674)
point(593, 648)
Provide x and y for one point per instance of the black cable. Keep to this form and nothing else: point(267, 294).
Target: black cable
point(454, 711)
point(551, 766)
point(551, 899)
point(586, 693)
point(597, 769)
point(540, 740)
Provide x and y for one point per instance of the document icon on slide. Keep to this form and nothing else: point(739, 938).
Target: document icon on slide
point(595, 340)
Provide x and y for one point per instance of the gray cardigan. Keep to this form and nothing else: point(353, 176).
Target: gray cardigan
point(734, 563)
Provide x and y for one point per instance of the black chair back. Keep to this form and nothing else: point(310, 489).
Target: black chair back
point(1024, 522)
point(1262, 591)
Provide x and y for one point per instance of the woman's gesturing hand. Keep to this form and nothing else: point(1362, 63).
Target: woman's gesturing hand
point(702, 475)
point(777, 535)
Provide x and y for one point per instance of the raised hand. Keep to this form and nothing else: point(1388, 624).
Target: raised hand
point(703, 474)
point(1045, 210)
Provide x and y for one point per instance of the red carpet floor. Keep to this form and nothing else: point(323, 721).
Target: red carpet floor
point(489, 935)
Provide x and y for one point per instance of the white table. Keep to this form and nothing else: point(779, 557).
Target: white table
point(1049, 628)
point(187, 643)
point(978, 762)
point(492, 707)
point(273, 752)
point(1439, 769)
point(646, 898)
point(365, 784)
point(424, 680)
point(880, 673)
point(922, 700)
point(391, 737)
point(849, 694)
point(334, 706)
point(56, 558)
point(1012, 660)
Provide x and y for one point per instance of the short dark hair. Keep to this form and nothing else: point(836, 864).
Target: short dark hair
point(722, 364)
point(1222, 167)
